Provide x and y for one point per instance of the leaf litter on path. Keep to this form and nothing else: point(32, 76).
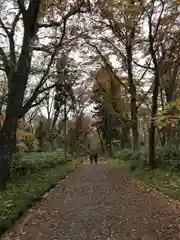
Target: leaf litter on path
point(99, 202)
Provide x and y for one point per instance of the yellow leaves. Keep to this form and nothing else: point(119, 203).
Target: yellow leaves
point(48, 8)
point(109, 94)
point(161, 117)
point(23, 133)
point(123, 79)
point(178, 101)
point(169, 115)
point(103, 79)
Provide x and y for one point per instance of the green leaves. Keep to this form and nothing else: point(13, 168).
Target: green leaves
point(170, 114)
point(23, 164)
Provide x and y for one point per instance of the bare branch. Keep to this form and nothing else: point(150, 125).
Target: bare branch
point(22, 7)
point(39, 101)
point(10, 35)
point(37, 90)
point(109, 67)
point(50, 24)
point(29, 103)
point(144, 97)
point(116, 48)
point(159, 19)
point(42, 49)
point(14, 23)
point(146, 67)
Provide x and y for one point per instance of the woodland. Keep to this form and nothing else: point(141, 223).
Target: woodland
point(72, 72)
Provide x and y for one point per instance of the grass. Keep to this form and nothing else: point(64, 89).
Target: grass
point(22, 193)
point(163, 180)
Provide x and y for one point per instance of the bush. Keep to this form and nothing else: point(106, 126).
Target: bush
point(165, 158)
point(25, 163)
point(138, 158)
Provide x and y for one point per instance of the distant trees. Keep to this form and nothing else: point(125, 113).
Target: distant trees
point(142, 38)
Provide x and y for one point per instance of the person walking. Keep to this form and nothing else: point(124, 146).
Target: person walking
point(93, 157)
point(93, 152)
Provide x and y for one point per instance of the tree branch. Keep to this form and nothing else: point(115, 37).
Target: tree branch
point(10, 35)
point(37, 90)
point(29, 103)
point(144, 97)
point(22, 7)
point(14, 23)
point(42, 49)
point(109, 67)
point(146, 67)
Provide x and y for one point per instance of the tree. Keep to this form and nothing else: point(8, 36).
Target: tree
point(79, 130)
point(121, 37)
point(156, 12)
point(110, 109)
point(18, 65)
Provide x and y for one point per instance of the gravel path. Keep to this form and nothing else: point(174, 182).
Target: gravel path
point(99, 202)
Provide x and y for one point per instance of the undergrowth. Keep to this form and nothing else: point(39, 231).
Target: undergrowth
point(41, 172)
point(165, 178)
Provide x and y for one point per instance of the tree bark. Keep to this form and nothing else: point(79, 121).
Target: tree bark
point(134, 125)
point(65, 129)
point(7, 146)
point(132, 89)
point(155, 93)
point(17, 82)
point(152, 129)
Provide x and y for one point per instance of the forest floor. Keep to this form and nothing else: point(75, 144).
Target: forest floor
point(99, 202)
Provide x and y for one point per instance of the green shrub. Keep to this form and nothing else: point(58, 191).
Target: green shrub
point(24, 163)
point(139, 159)
point(124, 154)
point(165, 158)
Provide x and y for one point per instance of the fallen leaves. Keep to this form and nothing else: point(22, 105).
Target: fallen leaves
point(98, 202)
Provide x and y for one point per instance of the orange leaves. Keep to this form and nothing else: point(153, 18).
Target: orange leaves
point(49, 6)
point(1, 118)
point(105, 81)
point(107, 92)
point(23, 133)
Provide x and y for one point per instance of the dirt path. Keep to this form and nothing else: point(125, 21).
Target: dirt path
point(98, 202)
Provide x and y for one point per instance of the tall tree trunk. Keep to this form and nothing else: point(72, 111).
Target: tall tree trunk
point(65, 129)
point(8, 131)
point(101, 140)
point(7, 146)
point(134, 120)
point(17, 82)
point(162, 133)
point(152, 129)
point(133, 106)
